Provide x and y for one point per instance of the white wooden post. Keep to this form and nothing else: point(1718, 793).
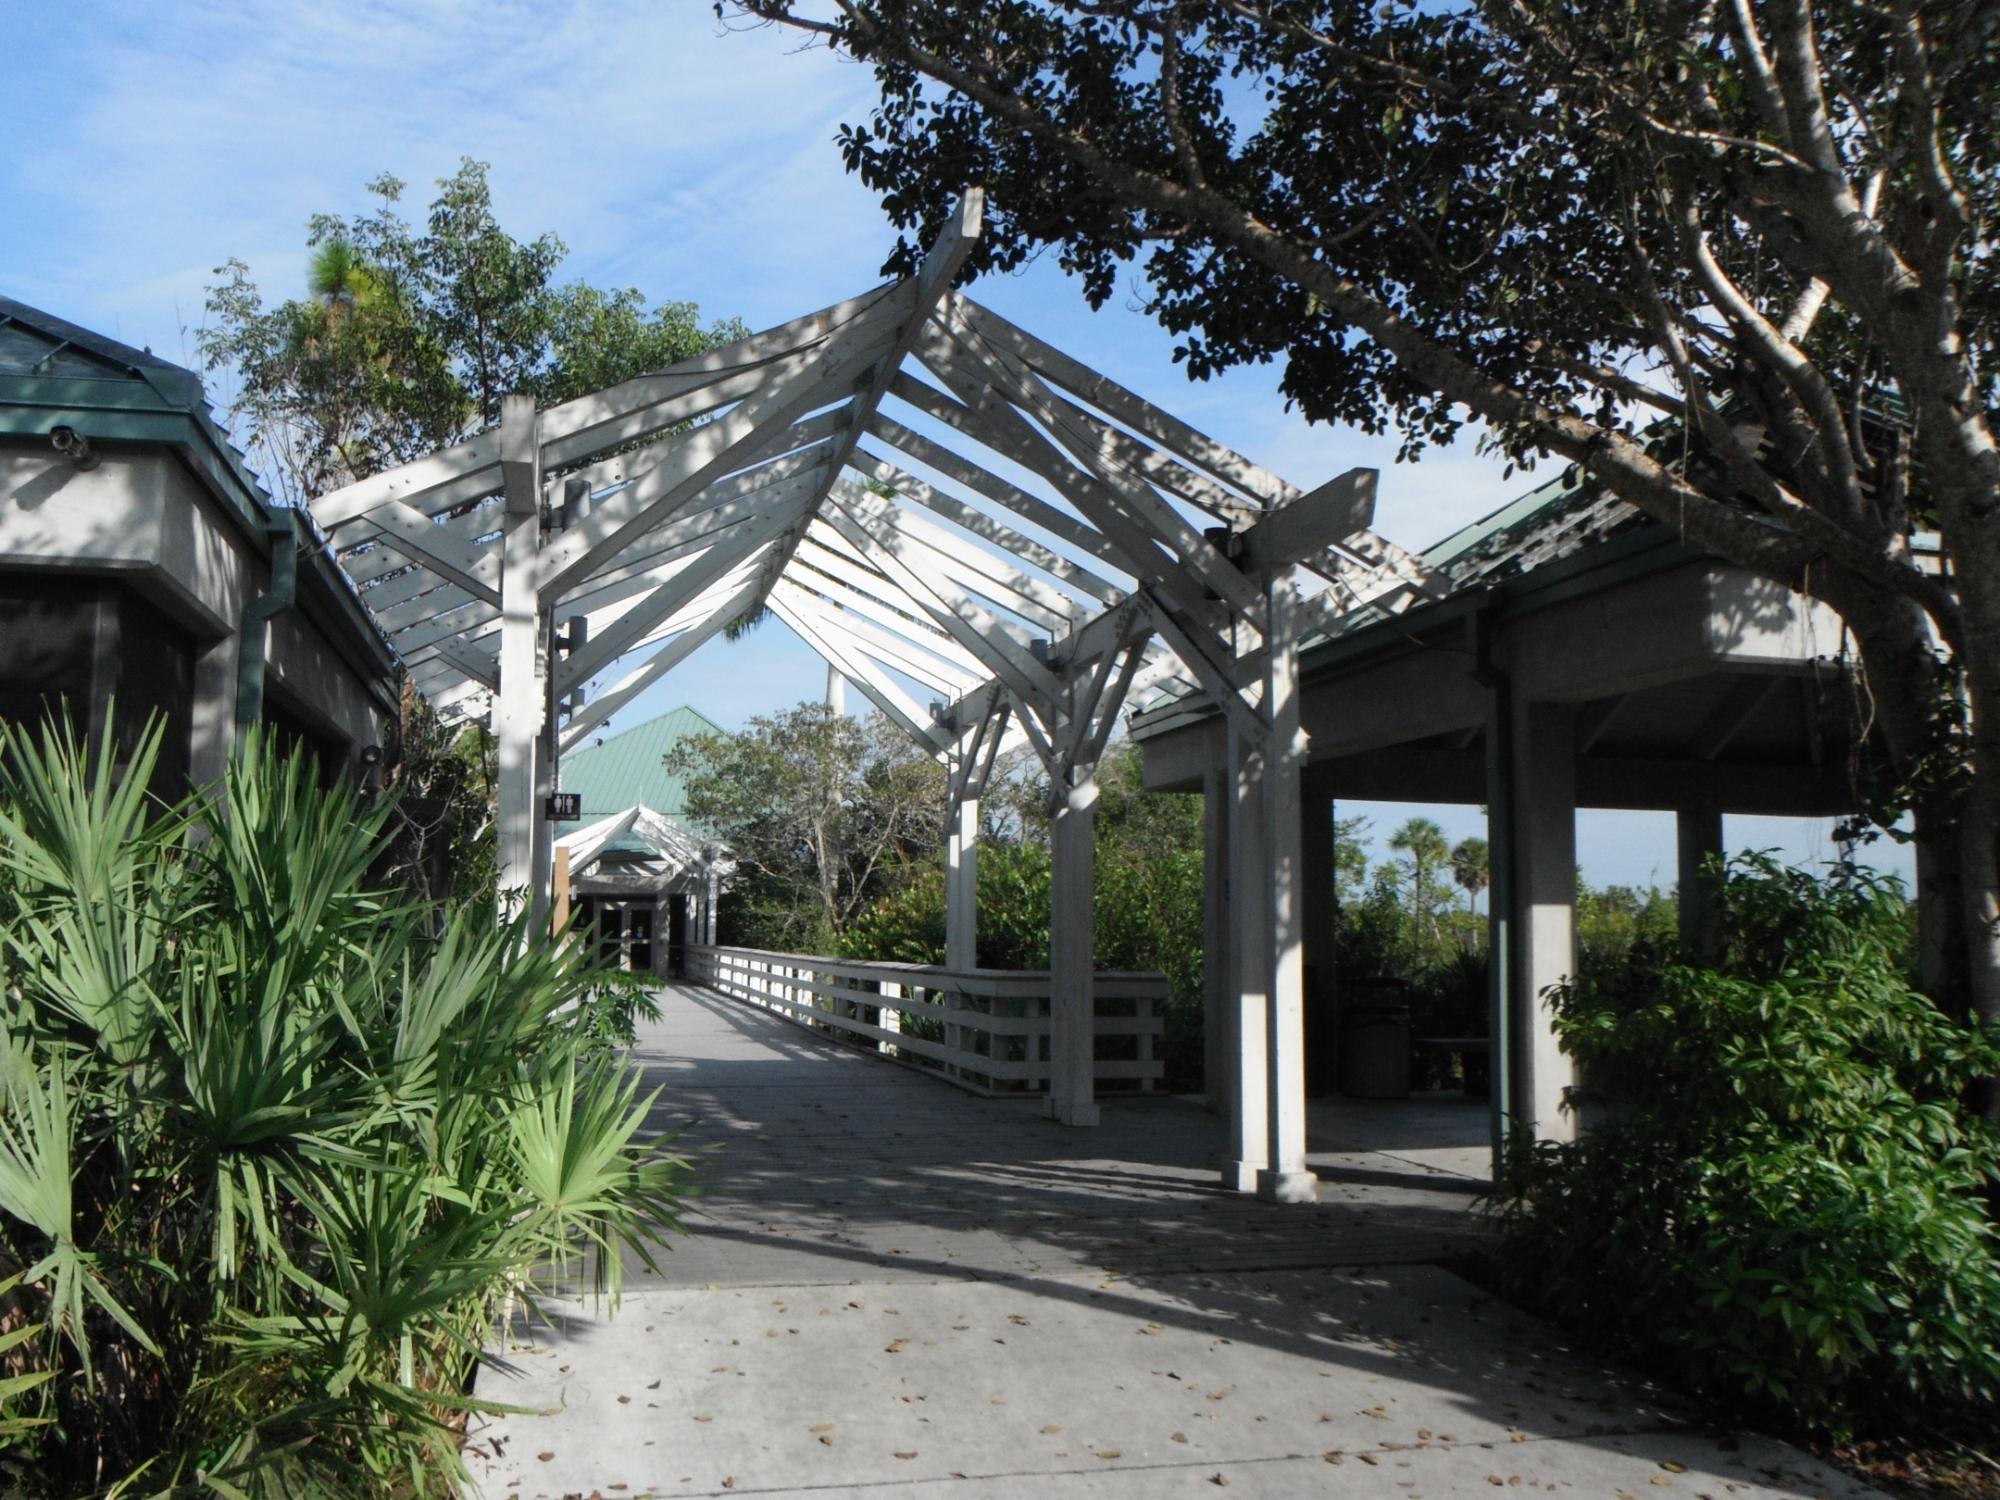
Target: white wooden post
point(890, 1017)
point(1072, 932)
point(519, 703)
point(961, 886)
point(1287, 1179)
point(1217, 971)
point(1250, 966)
point(1545, 927)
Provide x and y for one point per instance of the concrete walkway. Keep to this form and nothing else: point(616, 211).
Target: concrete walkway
point(894, 1288)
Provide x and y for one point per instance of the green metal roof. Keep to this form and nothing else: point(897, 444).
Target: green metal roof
point(54, 373)
point(627, 769)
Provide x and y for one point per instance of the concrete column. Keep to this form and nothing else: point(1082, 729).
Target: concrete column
point(836, 689)
point(961, 886)
point(1250, 970)
point(1544, 929)
point(1218, 996)
point(1697, 835)
point(1321, 917)
point(211, 716)
point(1072, 937)
point(1286, 1179)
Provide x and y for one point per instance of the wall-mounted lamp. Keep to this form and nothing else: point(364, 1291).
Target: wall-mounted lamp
point(75, 447)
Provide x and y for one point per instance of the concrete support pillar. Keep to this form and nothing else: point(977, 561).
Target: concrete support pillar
point(961, 886)
point(1072, 937)
point(1697, 836)
point(1544, 929)
point(1250, 972)
point(711, 898)
point(836, 690)
point(1218, 974)
point(212, 721)
point(1286, 1178)
point(1321, 917)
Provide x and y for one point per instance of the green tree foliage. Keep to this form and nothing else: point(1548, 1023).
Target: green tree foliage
point(1731, 262)
point(821, 812)
point(274, 1147)
point(442, 845)
point(1146, 901)
point(410, 336)
point(1782, 1202)
point(1422, 892)
point(1471, 871)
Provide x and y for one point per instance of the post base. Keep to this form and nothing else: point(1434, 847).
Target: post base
point(1071, 1114)
point(1287, 1187)
point(1241, 1176)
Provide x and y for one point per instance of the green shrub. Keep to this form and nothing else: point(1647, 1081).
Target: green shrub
point(1783, 1206)
point(274, 1147)
point(1147, 908)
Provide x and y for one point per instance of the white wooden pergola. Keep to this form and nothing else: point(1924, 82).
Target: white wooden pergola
point(992, 542)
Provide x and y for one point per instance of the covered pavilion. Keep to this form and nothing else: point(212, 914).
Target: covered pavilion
point(996, 545)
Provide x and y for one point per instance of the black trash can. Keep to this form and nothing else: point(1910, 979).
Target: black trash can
point(1375, 1039)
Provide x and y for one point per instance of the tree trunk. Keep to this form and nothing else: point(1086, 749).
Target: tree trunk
point(1954, 816)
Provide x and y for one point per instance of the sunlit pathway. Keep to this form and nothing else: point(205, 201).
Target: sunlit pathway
point(894, 1286)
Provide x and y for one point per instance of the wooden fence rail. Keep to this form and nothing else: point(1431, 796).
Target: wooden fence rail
point(984, 1029)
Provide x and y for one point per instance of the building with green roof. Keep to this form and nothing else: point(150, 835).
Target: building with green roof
point(640, 879)
point(141, 561)
point(628, 769)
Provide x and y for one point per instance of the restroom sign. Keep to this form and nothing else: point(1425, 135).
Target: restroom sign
point(563, 807)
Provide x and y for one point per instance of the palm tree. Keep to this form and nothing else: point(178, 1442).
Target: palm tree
point(339, 280)
point(1470, 868)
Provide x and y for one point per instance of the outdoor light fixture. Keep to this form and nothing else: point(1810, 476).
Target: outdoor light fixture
point(75, 447)
point(371, 755)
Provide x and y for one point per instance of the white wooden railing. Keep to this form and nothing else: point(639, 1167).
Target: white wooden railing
point(984, 1029)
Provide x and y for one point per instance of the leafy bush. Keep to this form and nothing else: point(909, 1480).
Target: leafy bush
point(1147, 911)
point(272, 1147)
point(1784, 1205)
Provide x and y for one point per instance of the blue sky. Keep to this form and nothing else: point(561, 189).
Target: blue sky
point(148, 143)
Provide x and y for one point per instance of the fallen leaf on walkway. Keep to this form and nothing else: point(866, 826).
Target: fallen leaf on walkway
point(911, 1454)
point(896, 1346)
point(1495, 1479)
point(729, 1483)
point(822, 1427)
point(1673, 1468)
point(1376, 1412)
point(1423, 1433)
point(1177, 1437)
point(1334, 1456)
point(1053, 1427)
point(654, 1386)
point(1221, 1479)
point(545, 1457)
point(1661, 1479)
point(1369, 1459)
point(702, 1416)
point(1110, 1453)
point(1013, 1318)
point(624, 1400)
point(826, 1438)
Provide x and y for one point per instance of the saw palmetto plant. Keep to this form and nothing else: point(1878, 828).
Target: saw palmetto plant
point(275, 1145)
